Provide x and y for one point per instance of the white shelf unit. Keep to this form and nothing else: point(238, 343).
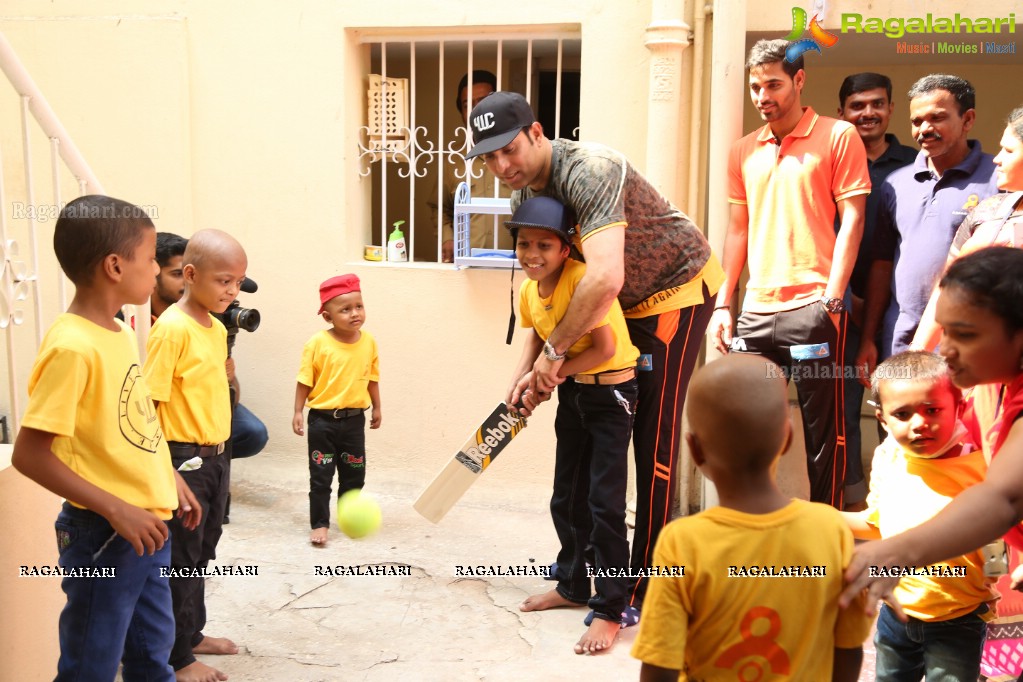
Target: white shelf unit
point(465, 206)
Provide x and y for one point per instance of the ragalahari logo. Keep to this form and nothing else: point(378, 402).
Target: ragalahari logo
point(818, 36)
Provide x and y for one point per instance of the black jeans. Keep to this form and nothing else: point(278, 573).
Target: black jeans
point(593, 426)
point(334, 444)
point(194, 549)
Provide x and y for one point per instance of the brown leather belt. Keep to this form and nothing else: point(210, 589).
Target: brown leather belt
point(190, 450)
point(340, 413)
point(618, 376)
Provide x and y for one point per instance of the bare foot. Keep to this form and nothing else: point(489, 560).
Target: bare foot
point(547, 600)
point(318, 537)
point(600, 636)
point(216, 646)
point(199, 672)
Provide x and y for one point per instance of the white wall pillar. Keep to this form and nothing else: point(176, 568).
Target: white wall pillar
point(728, 87)
point(667, 37)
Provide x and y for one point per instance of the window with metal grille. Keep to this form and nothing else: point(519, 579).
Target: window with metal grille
point(412, 145)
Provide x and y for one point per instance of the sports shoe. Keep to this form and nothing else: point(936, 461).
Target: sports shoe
point(630, 617)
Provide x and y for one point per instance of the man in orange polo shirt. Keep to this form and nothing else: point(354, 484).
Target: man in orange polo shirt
point(786, 182)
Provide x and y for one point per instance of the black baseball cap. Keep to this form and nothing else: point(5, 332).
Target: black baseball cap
point(543, 213)
point(497, 120)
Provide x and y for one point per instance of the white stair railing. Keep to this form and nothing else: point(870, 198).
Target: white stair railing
point(18, 281)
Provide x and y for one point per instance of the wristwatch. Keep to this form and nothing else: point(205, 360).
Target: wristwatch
point(833, 305)
point(550, 353)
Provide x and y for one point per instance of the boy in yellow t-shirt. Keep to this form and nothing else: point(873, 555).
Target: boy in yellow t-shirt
point(90, 435)
point(186, 352)
point(596, 404)
point(925, 461)
point(762, 572)
point(338, 379)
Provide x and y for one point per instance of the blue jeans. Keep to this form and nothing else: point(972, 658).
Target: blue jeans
point(945, 651)
point(248, 433)
point(107, 621)
point(593, 426)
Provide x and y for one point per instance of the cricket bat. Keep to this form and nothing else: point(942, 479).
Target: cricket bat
point(484, 444)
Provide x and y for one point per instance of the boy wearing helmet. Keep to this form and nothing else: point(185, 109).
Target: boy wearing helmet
point(596, 404)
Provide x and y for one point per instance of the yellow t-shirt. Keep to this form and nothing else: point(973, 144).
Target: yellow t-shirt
point(339, 373)
point(543, 315)
point(186, 375)
point(86, 388)
point(906, 491)
point(791, 190)
point(717, 626)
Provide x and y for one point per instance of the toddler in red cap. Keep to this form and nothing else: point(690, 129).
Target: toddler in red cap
point(338, 380)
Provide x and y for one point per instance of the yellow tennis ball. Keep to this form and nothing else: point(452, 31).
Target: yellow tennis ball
point(358, 514)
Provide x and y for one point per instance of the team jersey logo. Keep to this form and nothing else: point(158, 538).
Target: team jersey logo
point(137, 414)
point(758, 656)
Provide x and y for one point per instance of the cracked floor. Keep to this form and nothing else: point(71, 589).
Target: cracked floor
point(432, 624)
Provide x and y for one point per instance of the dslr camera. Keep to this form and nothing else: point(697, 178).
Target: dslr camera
point(236, 317)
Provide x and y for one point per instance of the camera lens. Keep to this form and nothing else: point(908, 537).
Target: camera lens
point(247, 319)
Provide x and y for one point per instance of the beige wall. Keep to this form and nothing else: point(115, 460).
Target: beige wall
point(244, 116)
point(28, 642)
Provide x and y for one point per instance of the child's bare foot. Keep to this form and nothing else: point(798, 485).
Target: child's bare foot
point(199, 672)
point(547, 600)
point(318, 537)
point(599, 637)
point(219, 646)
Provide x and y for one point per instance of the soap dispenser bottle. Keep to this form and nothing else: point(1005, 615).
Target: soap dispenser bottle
point(396, 252)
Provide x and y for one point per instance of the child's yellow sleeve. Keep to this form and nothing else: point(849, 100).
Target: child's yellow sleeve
point(664, 627)
point(853, 624)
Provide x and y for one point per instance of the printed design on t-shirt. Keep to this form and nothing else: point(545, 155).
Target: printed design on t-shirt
point(663, 248)
point(321, 458)
point(355, 461)
point(748, 657)
point(137, 414)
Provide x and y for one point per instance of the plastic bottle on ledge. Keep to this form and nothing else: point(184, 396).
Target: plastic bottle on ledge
point(396, 252)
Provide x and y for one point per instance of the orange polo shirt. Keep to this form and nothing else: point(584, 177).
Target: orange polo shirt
point(791, 190)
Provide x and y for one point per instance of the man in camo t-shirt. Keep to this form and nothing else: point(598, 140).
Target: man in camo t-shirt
point(638, 247)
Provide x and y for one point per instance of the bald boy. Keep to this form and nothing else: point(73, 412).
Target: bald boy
point(195, 415)
point(718, 614)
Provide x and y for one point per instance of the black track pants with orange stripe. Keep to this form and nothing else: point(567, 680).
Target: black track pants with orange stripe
point(810, 350)
point(672, 341)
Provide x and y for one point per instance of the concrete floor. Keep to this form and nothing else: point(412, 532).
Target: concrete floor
point(294, 625)
point(433, 625)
